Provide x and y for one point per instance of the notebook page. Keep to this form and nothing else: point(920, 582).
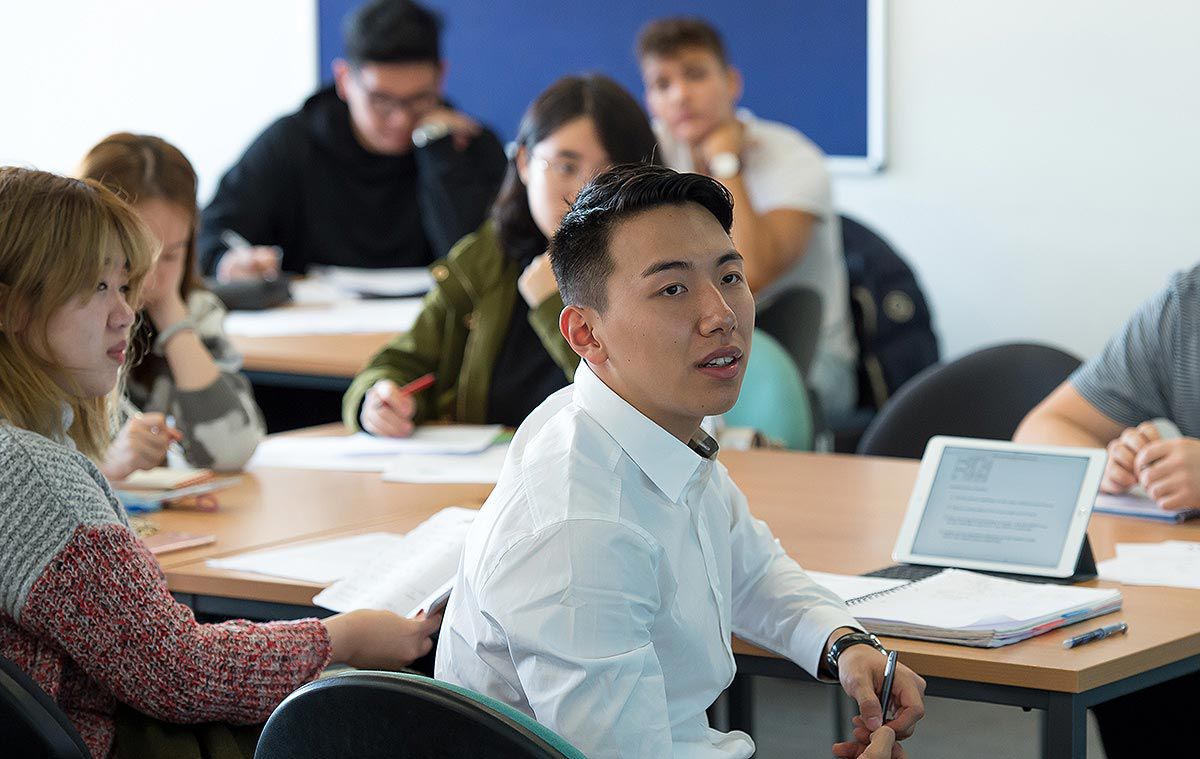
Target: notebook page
point(848, 587)
point(366, 453)
point(956, 599)
point(321, 562)
point(401, 579)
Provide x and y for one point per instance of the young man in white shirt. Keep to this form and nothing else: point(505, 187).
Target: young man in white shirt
point(785, 224)
point(604, 577)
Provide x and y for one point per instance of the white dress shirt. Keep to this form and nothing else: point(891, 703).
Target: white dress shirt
point(603, 578)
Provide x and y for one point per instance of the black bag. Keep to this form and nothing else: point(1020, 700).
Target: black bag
point(891, 316)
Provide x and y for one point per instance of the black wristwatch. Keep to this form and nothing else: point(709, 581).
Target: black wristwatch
point(850, 639)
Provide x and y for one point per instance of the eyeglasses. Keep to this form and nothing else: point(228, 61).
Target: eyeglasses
point(384, 105)
point(564, 170)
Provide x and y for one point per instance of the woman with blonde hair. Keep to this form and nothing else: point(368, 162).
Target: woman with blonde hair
point(84, 607)
point(189, 370)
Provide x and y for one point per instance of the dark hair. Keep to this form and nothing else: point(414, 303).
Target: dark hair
point(620, 123)
point(667, 36)
point(392, 31)
point(579, 252)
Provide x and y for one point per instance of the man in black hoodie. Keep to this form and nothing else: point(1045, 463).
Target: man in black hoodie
point(375, 171)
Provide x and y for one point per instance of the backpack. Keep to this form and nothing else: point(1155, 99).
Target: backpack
point(891, 315)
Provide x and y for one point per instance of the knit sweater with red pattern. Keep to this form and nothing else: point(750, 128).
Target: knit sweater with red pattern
point(85, 610)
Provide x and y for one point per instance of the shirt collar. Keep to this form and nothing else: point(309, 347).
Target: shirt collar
point(666, 461)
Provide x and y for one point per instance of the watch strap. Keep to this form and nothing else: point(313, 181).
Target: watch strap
point(846, 641)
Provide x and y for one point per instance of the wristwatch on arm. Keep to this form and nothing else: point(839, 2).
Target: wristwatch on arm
point(846, 641)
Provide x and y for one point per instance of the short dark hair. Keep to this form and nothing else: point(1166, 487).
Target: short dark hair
point(579, 251)
point(667, 36)
point(620, 123)
point(392, 31)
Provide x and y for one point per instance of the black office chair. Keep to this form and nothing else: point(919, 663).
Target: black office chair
point(794, 319)
point(30, 720)
point(985, 394)
point(367, 714)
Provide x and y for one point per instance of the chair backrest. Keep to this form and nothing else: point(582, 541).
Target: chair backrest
point(892, 319)
point(984, 394)
point(368, 714)
point(774, 400)
point(794, 319)
point(32, 720)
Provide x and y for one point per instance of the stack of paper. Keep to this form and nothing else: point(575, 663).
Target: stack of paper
point(1174, 563)
point(971, 609)
point(150, 489)
point(407, 574)
point(854, 587)
point(367, 453)
point(1137, 504)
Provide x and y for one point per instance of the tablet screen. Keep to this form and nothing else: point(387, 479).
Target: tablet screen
point(1000, 506)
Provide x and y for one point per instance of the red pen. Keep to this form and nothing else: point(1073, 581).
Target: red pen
point(417, 385)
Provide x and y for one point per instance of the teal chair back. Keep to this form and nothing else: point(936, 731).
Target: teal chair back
point(369, 715)
point(774, 400)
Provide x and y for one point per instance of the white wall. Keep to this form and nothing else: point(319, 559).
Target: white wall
point(208, 75)
point(1042, 165)
point(1043, 162)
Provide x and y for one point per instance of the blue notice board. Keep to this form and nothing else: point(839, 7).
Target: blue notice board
point(814, 64)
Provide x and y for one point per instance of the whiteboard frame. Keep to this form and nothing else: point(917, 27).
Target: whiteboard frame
point(877, 50)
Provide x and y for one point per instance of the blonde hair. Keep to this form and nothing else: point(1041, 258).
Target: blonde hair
point(56, 235)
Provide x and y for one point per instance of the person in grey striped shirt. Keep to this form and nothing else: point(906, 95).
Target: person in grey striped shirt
point(1149, 370)
point(187, 386)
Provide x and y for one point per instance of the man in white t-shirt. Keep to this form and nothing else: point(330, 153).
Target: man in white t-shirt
point(784, 222)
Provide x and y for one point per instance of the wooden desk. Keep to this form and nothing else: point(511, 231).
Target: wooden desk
point(334, 356)
point(833, 513)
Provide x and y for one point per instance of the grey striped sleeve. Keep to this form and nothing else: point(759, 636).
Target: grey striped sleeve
point(1132, 379)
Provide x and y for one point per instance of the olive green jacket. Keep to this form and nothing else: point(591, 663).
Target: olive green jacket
point(458, 335)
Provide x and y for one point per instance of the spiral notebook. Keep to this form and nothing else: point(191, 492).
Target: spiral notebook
point(972, 609)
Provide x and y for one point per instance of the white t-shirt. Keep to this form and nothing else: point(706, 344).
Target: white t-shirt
point(783, 169)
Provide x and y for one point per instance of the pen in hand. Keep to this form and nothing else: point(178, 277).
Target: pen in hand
point(1100, 633)
point(885, 693)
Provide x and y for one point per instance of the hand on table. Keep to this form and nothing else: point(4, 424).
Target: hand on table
point(258, 262)
point(141, 444)
point(1169, 472)
point(386, 411)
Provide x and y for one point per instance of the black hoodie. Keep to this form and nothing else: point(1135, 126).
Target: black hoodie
point(308, 186)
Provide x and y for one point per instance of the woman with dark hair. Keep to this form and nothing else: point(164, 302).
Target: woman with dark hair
point(489, 328)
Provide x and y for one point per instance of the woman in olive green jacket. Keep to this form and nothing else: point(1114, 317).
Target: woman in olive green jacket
point(489, 327)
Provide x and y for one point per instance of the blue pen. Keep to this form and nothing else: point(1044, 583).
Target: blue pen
point(1099, 633)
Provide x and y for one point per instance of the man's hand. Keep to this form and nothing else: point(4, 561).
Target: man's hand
point(1120, 473)
point(1169, 471)
point(258, 262)
point(860, 670)
point(141, 444)
point(386, 411)
point(880, 744)
point(537, 282)
point(462, 127)
point(727, 138)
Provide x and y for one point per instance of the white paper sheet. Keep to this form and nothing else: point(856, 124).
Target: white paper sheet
point(854, 586)
point(1171, 563)
point(339, 318)
point(321, 562)
point(385, 283)
point(474, 468)
point(404, 576)
point(366, 453)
